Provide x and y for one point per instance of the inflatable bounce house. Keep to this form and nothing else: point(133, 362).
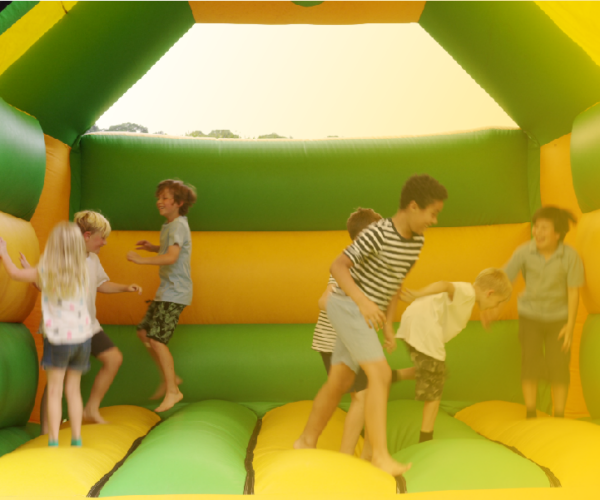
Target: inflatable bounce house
point(269, 221)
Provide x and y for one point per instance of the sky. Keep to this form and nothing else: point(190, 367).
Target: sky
point(307, 82)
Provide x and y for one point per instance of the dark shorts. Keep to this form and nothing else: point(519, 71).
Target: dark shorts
point(160, 320)
point(541, 353)
point(430, 375)
point(100, 343)
point(360, 381)
point(67, 356)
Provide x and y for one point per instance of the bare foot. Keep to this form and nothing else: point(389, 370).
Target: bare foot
point(389, 465)
point(301, 444)
point(171, 398)
point(162, 389)
point(93, 416)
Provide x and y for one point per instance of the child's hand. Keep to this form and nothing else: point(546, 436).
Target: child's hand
point(144, 245)
point(133, 257)
point(2, 247)
point(372, 314)
point(407, 295)
point(23, 260)
point(135, 288)
point(567, 333)
point(390, 339)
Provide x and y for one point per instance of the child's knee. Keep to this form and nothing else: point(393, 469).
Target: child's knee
point(112, 358)
point(142, 336)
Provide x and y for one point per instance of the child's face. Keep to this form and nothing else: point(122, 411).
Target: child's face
point(421, 218)
point(546, 238)
point(167, 207)
point(490, 300)
point(94, 241)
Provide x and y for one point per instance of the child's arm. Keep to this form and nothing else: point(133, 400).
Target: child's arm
point(438, 287)
point(340, 270)
point(323, 300)
point(109, 287)
point(26, 265)
point(390, 337)
point(166, 259)
point(29, 275)
point(567, 330)
point(146, 245)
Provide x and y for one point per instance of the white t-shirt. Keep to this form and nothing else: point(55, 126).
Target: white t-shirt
point(97, 276)
point(66, 321)
point(429, 322)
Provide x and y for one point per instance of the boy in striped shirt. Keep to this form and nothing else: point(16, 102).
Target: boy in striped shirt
point(324, 342)
point(369, 274)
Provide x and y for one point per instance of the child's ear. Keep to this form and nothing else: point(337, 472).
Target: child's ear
point(87, 235)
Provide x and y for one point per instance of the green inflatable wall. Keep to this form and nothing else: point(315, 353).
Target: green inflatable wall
point(22, 162)
point(585, 158)
point(18, 374)
point(275, 364)
point(304, 185)
point(589, 365)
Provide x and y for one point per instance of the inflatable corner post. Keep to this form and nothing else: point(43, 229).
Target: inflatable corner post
point(262, 252)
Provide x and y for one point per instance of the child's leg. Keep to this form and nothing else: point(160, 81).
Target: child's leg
point(339, 381)
point(167, 366)
point(532, 361)
point(44, 412)
point(367, 451)
point(558, 366)
point(74, 403)
point(111, 358)
point(56, 377)
point(379, 375)
point(355, 421)
point(430, 411)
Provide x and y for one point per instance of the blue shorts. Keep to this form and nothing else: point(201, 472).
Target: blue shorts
point(356, 343)
point(67, 356)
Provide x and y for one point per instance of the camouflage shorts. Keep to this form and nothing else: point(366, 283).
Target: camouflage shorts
point(430, 375)
point(160, 320)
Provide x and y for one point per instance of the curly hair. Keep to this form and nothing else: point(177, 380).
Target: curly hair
point(424, 190)
point(182, 192)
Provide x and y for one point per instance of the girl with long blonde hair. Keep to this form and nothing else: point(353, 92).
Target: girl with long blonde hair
point(62, 277)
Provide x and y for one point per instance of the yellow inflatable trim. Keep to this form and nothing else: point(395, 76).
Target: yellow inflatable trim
point(569, 448)
point(17, 299)
point(280, 469)
point(278, 277)
point(36, 469)
point(289, 13)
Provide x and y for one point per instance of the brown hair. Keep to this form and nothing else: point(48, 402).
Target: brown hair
point(558, 216)
point(360, 219)
point(182, 192)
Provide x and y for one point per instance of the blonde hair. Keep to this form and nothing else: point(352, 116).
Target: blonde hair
point(62, 269)
point(496, 280)
point(87, 220)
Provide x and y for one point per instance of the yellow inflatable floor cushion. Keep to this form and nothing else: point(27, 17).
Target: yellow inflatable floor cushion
point(279, 468)
point(35, 469)
point(278, 277)
point(568, 448)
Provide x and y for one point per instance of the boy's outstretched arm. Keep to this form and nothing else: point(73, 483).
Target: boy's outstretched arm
point(146, 245)
point(340, 270)
point(166, 259)
point(29, 275)
point(439, 287)
point(110, 287)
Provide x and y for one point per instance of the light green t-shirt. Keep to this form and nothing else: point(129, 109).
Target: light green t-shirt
point(176, 279)
point(546, 281)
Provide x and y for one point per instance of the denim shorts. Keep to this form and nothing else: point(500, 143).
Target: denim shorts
point(67, 356)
